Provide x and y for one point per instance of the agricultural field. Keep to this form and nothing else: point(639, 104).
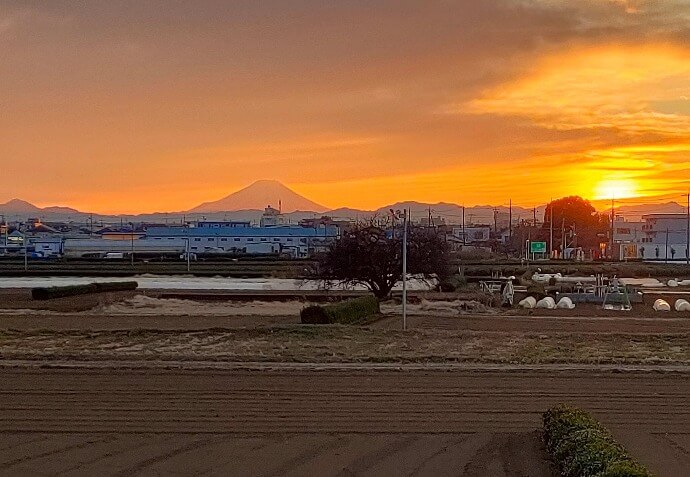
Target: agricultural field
point(319, 421)
point(130, 383)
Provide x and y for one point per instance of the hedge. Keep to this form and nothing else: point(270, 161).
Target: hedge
point(116, 286)
point(452, 283)
point(348, 311)
point(72, 290)
point(581, 446)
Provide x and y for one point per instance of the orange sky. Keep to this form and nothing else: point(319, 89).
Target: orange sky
point(120, 107)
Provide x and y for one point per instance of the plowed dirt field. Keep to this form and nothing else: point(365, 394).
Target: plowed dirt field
point(300, 422)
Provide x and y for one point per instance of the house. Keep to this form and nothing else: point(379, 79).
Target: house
point(48, 247)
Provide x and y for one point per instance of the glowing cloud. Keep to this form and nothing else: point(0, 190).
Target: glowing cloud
point(614, 87)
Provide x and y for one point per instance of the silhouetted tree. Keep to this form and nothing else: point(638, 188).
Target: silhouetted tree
point(574, 215)
point(372, 256)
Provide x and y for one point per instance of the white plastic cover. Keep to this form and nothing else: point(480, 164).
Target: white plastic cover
point(549, 303)
point(529, 302)
point(682, 305)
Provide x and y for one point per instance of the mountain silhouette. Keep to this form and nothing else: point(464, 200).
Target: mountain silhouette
point(259, 195)
point(18, 206)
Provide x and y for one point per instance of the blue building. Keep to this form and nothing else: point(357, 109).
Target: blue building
point(299, 242)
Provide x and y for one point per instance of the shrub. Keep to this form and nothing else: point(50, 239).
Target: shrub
point(582, 447)
point(72, 290)
point(115, 286)
point(348, 311)
point(58, 292)
point(537, 290)
point(452, 284)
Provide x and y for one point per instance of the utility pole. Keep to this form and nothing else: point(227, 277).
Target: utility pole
point(510, 222)
point(495, 222)
point(573, 242)
point(6, 227)
point(613, 218)
point(132, 237)
point(463, 225)
point(687, 237)
point(404, 271)
point(187, 253)
point(26, 252)
point(551, 228)
point(666, 251)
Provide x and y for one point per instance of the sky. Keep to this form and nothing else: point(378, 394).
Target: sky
point(140, 106)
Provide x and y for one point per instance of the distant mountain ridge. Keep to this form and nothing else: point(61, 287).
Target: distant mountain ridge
point(19, 206)
point(248, 204)
point(259, 195)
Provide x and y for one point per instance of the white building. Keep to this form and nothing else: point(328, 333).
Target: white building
point(48, 247)
point(666, 237)
point(472, 234)
point(629, 237)
point(299, 242)
point(98, 247)
point(272, 218)
point(662, 237)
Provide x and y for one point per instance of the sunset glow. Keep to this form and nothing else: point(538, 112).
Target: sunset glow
point(615, 189)
point(160, 112)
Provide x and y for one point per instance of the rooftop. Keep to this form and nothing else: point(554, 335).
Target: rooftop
point(289, 231)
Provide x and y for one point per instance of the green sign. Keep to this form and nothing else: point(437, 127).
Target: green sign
point(537, 247)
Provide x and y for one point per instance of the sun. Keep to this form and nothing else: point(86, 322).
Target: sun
point(615, 189)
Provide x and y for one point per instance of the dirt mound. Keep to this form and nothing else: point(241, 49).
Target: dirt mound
point(145, 306)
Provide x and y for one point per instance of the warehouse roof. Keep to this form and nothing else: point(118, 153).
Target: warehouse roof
point(289, 231)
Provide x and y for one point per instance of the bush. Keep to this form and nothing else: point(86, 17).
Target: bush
point(72, 290)
point(452, 284)
point(348, 311)
point(581, 446)
point(537, 290)
point(116, 286)
point(58, 292)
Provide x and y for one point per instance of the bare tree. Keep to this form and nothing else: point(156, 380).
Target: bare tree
point(371, 255)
